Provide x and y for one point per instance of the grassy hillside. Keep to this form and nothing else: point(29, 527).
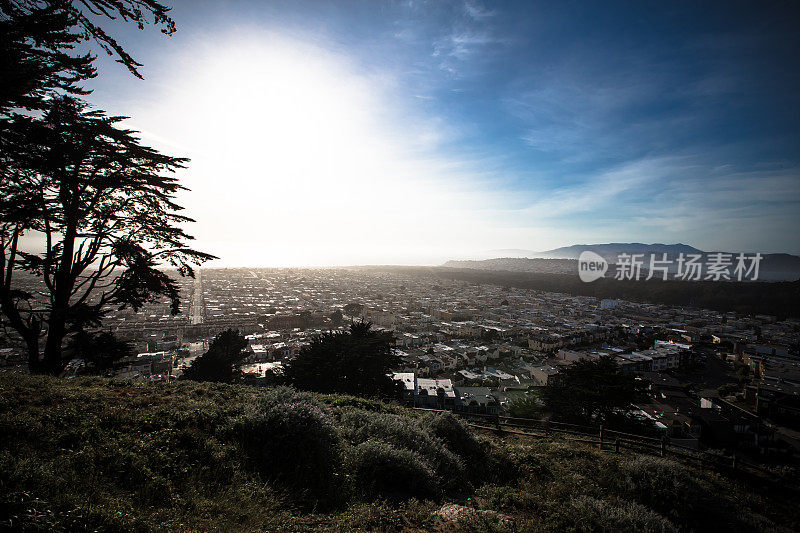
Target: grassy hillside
point(108, 455)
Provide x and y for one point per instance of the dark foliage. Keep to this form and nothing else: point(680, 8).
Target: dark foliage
point(96, 196)
point(222, 360)
point(36, 58)
point(351, 362)
point(100, 350)
point(591, 514)
point(669, 488)
point(290, 439)
point(455, 434)
point(590, 391)
point(108, 455)
point(527, 406)
point(107, 215)
point(353, 308)
point(404, 433)
point(84, 16)
point(378, 469)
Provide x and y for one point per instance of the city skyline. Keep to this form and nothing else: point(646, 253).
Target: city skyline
point(411, 132)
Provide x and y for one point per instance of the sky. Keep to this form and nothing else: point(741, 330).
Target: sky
point(412, 132)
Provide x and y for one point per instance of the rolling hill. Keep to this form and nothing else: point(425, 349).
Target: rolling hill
point(92, 454)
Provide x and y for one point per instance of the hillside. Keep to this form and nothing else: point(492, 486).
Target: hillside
point(613, 249)
point(117, 456)
point(773, 267)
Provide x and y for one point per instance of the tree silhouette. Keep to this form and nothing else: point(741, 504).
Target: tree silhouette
point(85, 14)
point(75, 180)
point(36, 59)
point(337, 317)
point(105, 212)
point(590, 390)
point(39, 39)
point(222, 360)
point(353, 308)
point(101, 350)
point(351, 362)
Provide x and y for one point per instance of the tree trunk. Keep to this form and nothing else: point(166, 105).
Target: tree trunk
point(57, 322)
point(55, 336)
point(34, 364)
point(62, 282)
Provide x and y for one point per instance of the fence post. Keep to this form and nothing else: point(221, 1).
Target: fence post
point(663, 445)
point(497, 422)
point(601, 436)
point(616, 445)
point(733, 461)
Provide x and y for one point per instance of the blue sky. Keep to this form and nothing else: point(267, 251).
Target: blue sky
point(414, 131)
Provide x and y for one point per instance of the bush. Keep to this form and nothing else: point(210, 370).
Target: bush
point(279, 395)
point(527, 406)
point(678, 493)
point(590, 514)
point(378, 469)
point(292, 441)
point(405, 433)
point(455, 434)
point(344, 401)
point(663, 485)
point(506, 498)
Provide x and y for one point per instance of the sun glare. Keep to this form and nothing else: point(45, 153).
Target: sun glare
point(303, 155)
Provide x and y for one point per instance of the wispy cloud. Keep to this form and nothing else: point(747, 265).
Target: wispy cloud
point(476, 10)
point(598, 194)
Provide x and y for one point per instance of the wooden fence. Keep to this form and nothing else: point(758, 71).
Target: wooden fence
point(608, 439)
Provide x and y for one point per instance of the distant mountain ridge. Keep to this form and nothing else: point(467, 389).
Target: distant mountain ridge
point(616, 248)
point(613, 248)
point(773, 267)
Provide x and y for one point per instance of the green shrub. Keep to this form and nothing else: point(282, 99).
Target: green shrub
point(344, 401)
point(590, 514)
point(401, 432)
point(532, 461)
point(663, 485)
point(527, 406)
point(500, 465)
point(505, 498)
point(455, 434)
point(377, 469)
point(278, 395)
point(119, 456)
point(293, 442)
point(378, 516)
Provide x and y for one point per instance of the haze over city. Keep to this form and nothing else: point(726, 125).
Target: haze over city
point(417, 132)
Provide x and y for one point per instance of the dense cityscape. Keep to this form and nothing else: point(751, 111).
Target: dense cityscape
point(475, 348)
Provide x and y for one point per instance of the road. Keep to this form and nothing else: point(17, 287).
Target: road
point(197, 309)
